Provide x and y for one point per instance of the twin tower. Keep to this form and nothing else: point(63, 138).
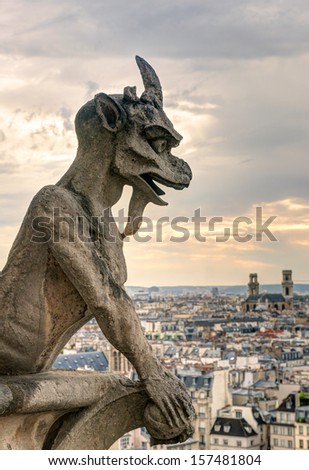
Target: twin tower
point(286, 284)
point(268, 301)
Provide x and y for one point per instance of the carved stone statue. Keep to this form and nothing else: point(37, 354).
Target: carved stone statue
point(67, 266)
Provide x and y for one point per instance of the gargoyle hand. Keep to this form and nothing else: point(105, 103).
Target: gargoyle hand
point(171, 397)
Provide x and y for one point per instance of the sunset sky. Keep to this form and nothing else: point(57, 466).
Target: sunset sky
point(235, 80)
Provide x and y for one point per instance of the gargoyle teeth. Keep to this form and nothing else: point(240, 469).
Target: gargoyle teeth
point(149, 180)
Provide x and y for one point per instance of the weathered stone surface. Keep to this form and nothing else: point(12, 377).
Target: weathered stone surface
point(69, 410)
point(67, 265)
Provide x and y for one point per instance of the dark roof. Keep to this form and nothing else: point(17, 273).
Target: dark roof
point(258, 416)
point(197, 382)
point(195, 351)
point(171, 351)
point(265, 384)
point(273, 297)
point(232, 427)
point(95, 360)
point(288, 404)
point(240, 318)
point(264, 297)
point(230, 355)
point(253, 298)
point(211, 322)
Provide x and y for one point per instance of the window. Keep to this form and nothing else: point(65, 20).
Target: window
point(115, 361)
point(307, 444)
point(217, 427)
point(282, 431)
point(275, 442)
point(238, 443)
point(227, 428)
point(288, 417)
point(225, 442)
point(216, 441)
point(301, 444)
point(301, 429)
point(238, 414)
point(281, 417)
point(290, 444)
point(252, 442)
point(307, 430)
point(125, 442)
point(275, 429)
point(288, 404)
point(282, 443)
point(290, 432)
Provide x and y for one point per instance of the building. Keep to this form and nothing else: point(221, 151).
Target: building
point(287, 288)
point(268, 301)
point(282, 429)
point(302, 428)
point(209, 392)
point(82, 361)
point(118, 363)
point(233, 433)
point(254, 417)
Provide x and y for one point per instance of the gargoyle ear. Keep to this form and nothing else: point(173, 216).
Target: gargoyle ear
point(112, 114)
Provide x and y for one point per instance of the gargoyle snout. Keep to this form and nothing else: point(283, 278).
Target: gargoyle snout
point(187, 170)
point(183, 171)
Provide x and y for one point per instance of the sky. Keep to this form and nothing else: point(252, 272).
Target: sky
point(234, 77)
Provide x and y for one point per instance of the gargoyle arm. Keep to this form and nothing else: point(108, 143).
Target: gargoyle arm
point(108, 302)
point(116, 316)
point(86, 268)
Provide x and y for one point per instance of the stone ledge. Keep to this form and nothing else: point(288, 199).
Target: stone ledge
point(68, 410)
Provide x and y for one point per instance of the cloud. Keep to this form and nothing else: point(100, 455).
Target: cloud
point(234, 81)
point(92, 88)
point(7, 167)
point(66, 114)
point(200, 29)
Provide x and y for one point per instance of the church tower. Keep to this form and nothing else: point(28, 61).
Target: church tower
point(287, 288)
point(287, 283)
point(253, 285)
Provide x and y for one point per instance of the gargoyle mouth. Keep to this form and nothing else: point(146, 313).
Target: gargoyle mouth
point(151, 180)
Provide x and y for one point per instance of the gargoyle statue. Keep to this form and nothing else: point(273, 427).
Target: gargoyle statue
point(67, 264)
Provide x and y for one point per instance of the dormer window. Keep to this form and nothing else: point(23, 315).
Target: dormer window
point(217, 427)
point(248, 429)
point(227, 428)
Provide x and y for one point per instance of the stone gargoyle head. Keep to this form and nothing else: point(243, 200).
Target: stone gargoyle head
point(137, 138)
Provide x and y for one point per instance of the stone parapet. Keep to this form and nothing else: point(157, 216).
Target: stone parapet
point(68, 410)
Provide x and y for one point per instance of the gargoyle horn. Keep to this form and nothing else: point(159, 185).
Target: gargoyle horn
point(153, 89)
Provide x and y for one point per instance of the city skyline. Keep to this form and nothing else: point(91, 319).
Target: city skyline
point(233, 78)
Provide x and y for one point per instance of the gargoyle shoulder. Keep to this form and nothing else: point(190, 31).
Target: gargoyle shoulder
point(50, 198)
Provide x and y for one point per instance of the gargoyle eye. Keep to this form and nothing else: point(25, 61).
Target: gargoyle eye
point(159, 145)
